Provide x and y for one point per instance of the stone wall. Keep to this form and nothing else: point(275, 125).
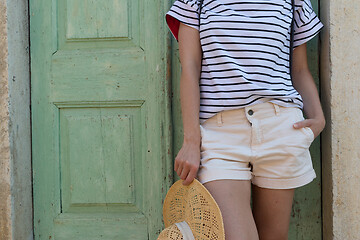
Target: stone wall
point(340, 90)
point(15, 134)
point(5, 216)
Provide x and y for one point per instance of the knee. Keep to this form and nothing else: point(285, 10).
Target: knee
point(273, 235)
point(273, 231)
point(242, 236)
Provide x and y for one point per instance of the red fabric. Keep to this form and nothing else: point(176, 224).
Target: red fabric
point(173, 24)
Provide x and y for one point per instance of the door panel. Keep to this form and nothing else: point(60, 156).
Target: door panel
point(100, 118)
point(100, 24)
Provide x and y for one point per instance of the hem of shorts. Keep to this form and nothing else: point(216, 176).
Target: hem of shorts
point(287, 183)
point(228, 175)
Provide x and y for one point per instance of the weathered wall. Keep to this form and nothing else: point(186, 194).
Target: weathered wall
point(5, 216)
point(340, 88)
point(19, 124)
point(15, 135)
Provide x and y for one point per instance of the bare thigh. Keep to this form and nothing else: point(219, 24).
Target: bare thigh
point(233, 198)
point(271, 211)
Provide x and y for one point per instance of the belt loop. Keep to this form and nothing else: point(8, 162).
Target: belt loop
point(277, 108)
point(219, 119)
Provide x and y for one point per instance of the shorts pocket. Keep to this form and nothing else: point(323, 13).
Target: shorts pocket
point(306, 130)
point(310, 132)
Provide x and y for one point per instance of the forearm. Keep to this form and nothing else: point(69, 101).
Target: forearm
point(190, 104)
point(304, 83)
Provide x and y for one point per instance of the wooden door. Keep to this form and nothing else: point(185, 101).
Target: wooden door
point(100, 118)
point(306, 222)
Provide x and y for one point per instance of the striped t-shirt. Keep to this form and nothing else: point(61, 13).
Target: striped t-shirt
point(245, 46)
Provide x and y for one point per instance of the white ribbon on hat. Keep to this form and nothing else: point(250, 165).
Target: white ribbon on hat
point(185, 230)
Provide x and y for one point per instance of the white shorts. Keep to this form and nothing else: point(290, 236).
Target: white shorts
point(257, 143)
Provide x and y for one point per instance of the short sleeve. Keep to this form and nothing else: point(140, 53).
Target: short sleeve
point(185, 11)
point(307, 23)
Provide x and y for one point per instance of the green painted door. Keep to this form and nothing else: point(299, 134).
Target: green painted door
point(306, 223)
point(100, 118)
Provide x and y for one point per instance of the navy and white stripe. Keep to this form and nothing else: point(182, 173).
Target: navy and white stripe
point(245, 49)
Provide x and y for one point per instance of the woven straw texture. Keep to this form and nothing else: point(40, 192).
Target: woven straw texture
point(170, 233)
point(195, 205)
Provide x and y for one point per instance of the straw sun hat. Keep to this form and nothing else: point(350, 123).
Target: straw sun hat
point(191, 213)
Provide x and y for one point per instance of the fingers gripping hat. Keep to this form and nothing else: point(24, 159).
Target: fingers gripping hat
point(191, 213)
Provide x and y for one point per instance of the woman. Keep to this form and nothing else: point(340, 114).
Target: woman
point(242, 107)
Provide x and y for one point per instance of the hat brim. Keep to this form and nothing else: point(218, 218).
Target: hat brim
point(195, 205)
point(171, 232)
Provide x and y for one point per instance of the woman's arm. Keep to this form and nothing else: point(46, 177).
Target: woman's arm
point(187, 160)
point(304, 83)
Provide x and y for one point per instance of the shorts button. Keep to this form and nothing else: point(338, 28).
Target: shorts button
point(250, 112)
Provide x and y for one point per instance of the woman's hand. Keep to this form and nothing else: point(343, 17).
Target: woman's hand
point(315, 124)
point(187, 162)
